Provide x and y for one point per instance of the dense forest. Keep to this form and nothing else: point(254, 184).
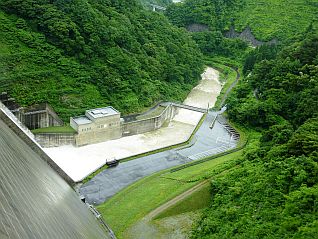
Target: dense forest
point(81, 54)
point(268, 19)
point(162, 3)
point(215, 15)
point(273, 190)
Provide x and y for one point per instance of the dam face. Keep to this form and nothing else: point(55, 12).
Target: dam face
point(35, 202)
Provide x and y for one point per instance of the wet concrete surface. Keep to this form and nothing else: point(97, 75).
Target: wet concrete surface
point(206, 142)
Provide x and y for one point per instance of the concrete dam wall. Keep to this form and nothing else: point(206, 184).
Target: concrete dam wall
point(35, 202)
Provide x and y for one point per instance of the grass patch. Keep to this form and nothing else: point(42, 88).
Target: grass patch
point(198, 200)
point(55, 129)
point(133, 203)
point(230, 79)
point(136, 201)
point(204, 170)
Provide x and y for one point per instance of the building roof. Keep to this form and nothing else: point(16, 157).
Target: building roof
point(80, 120)
point(101, 112)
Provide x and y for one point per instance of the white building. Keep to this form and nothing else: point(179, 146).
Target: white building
point(97, 125)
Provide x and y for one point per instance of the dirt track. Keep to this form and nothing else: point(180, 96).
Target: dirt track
point(146, 228)
point(175, 200)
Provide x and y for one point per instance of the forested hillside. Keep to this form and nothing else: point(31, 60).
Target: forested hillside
point(268, 19)
point(273, 191)
point(215, 15)
point(80, 54)
point(157, 2)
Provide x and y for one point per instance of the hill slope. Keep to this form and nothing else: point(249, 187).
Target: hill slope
point(268, 19)
point(273, 192)
point(82, 54)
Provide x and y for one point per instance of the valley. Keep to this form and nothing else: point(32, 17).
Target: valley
point(236, 159)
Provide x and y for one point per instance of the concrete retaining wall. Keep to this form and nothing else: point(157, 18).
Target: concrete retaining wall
point(93, 137)
point(48, 140)
point(40, 116)
point(113, 132)
point(150, 124)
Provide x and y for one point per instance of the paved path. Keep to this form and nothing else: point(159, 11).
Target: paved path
point(111, 180)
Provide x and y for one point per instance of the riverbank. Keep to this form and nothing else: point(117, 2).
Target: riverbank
point(79, 162)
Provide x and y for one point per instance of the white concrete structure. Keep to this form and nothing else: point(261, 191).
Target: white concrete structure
point(97, 125)
point(79, 162)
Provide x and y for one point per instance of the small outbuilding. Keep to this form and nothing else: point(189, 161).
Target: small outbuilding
point(97, 125)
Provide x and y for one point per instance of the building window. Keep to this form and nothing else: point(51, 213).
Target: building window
point(87, 129)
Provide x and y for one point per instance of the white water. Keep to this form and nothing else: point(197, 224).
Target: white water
point(78, 162)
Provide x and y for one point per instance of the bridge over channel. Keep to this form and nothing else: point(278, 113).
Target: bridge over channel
point(188, 107)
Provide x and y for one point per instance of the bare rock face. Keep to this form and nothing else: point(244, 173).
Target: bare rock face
point(248, 36)
point(196, 27)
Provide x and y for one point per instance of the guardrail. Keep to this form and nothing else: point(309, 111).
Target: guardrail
point(188, 107)
point(208, 158)
point(101, 220)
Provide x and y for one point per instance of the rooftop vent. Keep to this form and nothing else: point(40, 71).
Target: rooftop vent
point(100, 111)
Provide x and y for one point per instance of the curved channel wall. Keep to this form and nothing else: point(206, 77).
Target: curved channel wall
point(35, 202)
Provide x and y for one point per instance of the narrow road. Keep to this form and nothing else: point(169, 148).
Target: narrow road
point(175, 200)
point(146, 228)
point(238, 75)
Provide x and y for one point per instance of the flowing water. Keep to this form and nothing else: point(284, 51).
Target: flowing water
point(78, 162)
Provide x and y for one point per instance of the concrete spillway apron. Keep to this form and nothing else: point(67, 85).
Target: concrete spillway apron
point(112, 180)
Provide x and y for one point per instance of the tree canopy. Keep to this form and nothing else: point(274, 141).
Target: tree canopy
point(80, 54)
point(272, 192)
